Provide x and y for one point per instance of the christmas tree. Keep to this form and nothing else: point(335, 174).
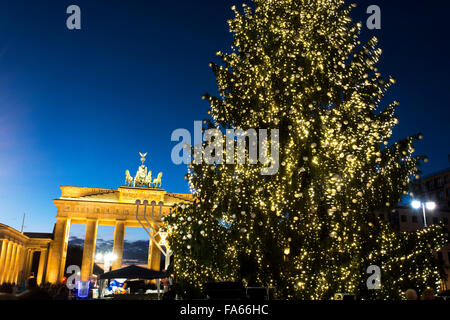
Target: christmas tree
point(310, 230)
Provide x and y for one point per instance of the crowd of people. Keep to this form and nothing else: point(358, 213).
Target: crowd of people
point(32, 291)
point(427, 294)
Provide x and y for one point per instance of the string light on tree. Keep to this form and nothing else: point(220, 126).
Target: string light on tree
point(311, 230)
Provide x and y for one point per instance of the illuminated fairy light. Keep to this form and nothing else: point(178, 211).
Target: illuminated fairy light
point(163, 239)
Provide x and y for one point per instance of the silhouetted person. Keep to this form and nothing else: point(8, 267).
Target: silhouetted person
point(6, 292)
point(428, 294)
point(62, 293)
point(411, 294)
point(6, 288)
point(33, 292)
point(169, 294)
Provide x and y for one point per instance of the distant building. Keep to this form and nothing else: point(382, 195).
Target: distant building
point(22, 255)
point(434, 187)
point(405, 218)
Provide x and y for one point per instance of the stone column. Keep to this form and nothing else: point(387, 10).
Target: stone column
point(12, 263)
point(57, 260)
point(3, 258)
point(28, 263)
point(119, 237)
point(5, 272)
point(42, 260)
point(22, 265)
point(90, 238)
point(17, 263)
point(154, 255)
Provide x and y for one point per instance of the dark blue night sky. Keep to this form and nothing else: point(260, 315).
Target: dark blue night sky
point(76, 107)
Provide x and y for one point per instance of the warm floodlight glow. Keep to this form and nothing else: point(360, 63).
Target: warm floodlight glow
point(416, 204)
point(110, 256)
point(430, 205)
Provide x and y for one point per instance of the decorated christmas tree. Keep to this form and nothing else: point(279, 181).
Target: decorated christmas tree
point(310, 230)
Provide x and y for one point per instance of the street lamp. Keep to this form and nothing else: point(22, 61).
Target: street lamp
point(430, 205)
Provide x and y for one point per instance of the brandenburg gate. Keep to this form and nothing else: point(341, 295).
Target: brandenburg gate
point(92, 207)
point(109, 207)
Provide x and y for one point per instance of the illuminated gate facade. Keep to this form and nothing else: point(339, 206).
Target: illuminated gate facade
point(109, 207)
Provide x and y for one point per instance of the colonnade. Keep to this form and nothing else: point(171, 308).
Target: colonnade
point(58, 249)
point(17, 251)
point(16, 260)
